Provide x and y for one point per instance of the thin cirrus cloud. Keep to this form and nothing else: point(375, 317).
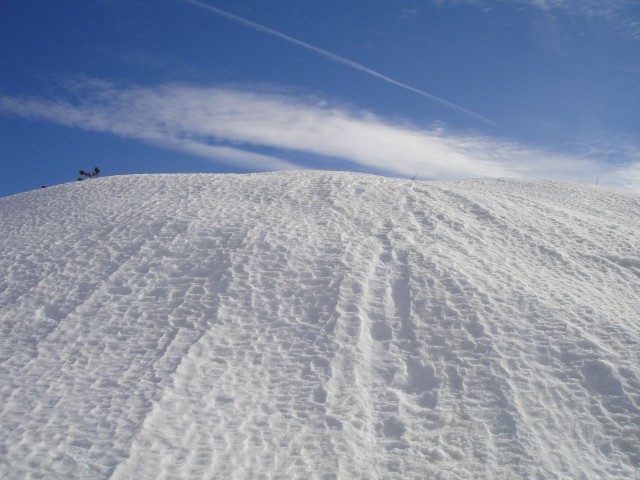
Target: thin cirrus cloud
point(227, 124)
point(614, 14)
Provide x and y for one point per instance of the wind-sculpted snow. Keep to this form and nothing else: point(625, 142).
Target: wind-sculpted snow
point(319, 325)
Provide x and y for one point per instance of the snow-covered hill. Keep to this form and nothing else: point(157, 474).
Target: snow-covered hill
point(319, 325)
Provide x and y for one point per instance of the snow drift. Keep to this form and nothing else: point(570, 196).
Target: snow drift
point(319, 325)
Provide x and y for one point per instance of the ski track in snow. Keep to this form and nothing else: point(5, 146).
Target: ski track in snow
point(319, 325)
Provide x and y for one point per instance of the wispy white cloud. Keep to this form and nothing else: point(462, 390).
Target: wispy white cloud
point(338, 59)
point(614, 13)
point(147, 115)
point(624, 177)
point(407, 13)
point(228, 124)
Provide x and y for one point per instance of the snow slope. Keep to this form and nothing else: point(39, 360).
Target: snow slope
point(319, 325)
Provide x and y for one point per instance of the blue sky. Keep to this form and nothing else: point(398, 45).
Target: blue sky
point(441, 89)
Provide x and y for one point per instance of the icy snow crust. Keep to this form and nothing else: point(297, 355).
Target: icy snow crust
point(319, 325)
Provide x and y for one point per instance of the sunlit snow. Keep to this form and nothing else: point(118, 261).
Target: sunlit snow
point(319, 325)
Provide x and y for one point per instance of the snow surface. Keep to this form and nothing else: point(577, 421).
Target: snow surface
point(319, 325)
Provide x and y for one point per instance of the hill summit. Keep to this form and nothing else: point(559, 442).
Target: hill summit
point(319, 325)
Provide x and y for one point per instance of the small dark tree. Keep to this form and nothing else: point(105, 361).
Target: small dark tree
point(95, 173)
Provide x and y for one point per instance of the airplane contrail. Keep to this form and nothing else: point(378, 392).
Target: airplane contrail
point(338, 59)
